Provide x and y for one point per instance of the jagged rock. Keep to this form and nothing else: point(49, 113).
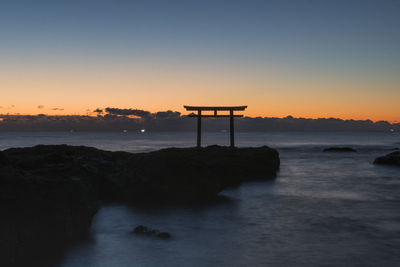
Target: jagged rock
point(340, 149)
point(390, 159)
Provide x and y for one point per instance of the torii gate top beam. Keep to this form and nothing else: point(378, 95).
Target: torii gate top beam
point(208, 108)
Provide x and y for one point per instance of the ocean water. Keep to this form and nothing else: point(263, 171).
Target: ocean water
point(323, 209)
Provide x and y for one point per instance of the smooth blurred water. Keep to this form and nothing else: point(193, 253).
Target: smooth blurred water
point(324, 209)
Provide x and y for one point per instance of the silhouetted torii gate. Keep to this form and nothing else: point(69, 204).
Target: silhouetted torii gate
point(215, 109)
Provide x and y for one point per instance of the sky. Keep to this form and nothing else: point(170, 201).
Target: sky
point(305, 58)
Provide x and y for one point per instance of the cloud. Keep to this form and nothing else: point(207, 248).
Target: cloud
point(98, 110)
point(57, 109)
point(127, 112)
point(140, 113)
point(172, 121)
point(167, 114)
point(40, 107)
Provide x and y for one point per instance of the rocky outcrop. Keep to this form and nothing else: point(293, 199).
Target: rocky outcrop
point(41, 215)
point(144, 230)
point(196, 173)
point(390, 159)
point(340, 149)
point(173, 173)
point(49, 194)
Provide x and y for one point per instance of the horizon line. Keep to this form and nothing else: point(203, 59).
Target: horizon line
point(185, 115)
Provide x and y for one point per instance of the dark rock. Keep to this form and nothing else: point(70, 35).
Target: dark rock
point(340, 149)
point(40, 217)
point(390, 159)
point(144, 230)
point(164, 235)
point(50, 193)
point(3, 158)
point(173, 173)
point(196, 173)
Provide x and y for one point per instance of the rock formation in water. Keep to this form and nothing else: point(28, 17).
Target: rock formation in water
point(340, 149)
point(49, 194)
point(390, 159)
point(144, 230)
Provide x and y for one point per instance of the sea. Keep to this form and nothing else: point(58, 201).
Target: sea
point(323, 209)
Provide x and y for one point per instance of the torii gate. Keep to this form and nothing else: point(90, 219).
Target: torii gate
point(231, 109)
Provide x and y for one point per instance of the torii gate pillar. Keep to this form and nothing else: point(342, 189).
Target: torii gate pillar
point(199, 128)
point(231, 128)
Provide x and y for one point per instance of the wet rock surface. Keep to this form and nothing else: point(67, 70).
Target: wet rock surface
point(390, 159)
point(49, 194)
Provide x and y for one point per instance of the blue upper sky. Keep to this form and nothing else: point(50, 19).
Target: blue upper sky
point(343, 38)
point(359, 32)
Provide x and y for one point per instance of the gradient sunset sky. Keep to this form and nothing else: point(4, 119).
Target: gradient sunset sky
point(309, 59)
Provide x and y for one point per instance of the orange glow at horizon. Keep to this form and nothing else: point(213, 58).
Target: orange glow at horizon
point(76, 90)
